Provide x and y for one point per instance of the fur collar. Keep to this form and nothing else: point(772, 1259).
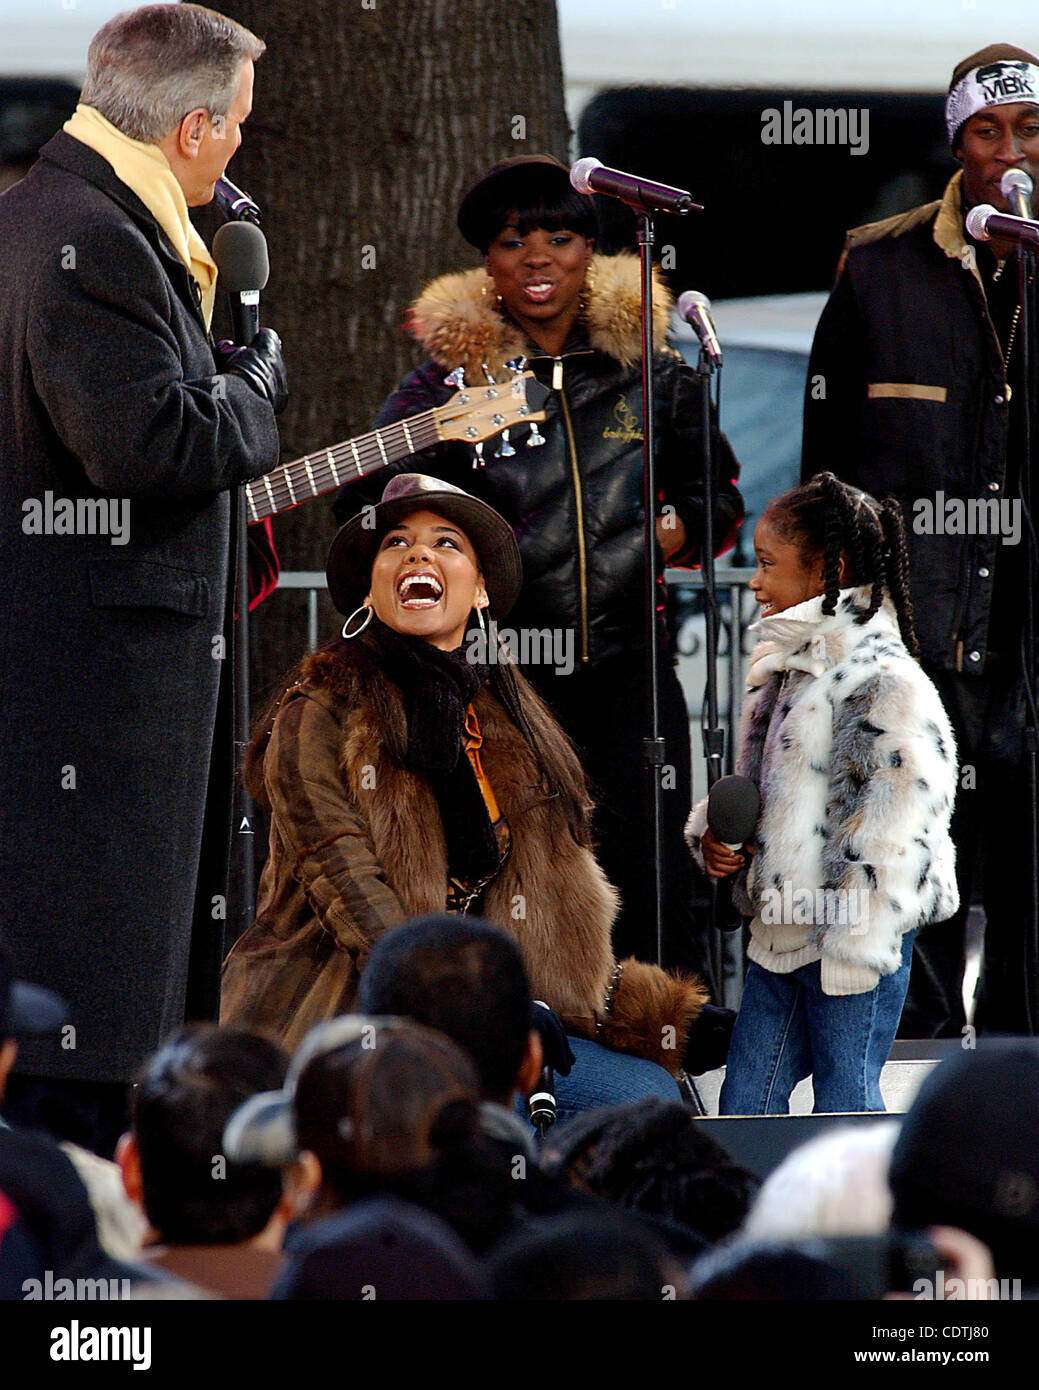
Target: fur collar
point(457, 324)
point(803, 638)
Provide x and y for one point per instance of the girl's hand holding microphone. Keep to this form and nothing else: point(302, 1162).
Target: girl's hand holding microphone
point(733, 806)
point(719, 860)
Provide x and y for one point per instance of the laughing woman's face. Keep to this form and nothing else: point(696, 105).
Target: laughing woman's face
point(426, 580)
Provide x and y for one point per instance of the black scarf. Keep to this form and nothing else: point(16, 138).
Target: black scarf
point(437, 687)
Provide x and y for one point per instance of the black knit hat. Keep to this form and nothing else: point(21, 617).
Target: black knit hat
point(968, 1153)
point(525, 180)
point(990, 57)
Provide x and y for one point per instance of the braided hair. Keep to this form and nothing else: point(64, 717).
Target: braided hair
point(829, 518)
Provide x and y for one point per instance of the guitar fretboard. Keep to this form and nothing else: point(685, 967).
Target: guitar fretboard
point(317, 473)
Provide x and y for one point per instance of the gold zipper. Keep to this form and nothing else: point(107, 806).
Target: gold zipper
point(557, 385)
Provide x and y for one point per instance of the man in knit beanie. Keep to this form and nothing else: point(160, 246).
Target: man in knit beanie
point(993, 98)
point(914, 390)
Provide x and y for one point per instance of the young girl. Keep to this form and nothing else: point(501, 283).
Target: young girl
point(851, 749)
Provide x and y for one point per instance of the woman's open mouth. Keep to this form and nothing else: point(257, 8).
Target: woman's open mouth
point(419, 589)
point(539, 291)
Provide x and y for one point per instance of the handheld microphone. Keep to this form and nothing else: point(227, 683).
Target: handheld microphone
point(984, 223)
point(1016, 188)
point(695, 308)
point(733, 807)
point(591, 176)
point(240, 252)
point(233, 203)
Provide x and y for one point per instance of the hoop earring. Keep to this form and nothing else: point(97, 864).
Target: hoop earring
point(364, 608)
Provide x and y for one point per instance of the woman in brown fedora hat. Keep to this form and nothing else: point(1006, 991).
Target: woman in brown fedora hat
point(410, 769)
point(571, 489)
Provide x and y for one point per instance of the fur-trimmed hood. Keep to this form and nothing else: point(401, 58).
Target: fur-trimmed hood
point(457, 323)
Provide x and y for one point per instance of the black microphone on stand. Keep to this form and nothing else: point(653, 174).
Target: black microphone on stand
point(591, 176)
point(1016, 188)
point(243, 268)
point(985, 222)
point(695, 308)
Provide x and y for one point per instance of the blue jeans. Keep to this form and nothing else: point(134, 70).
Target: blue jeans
point(788, 1029)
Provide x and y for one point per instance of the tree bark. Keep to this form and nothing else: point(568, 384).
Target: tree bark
point(371, 119)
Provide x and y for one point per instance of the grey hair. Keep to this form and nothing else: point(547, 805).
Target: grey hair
point(147, 68)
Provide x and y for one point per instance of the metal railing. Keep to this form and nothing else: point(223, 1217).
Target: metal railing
point(731, 588)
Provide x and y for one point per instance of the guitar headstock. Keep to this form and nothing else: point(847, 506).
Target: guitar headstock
point(475, 413)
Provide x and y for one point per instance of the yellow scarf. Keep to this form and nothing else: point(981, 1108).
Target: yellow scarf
point(145, 171)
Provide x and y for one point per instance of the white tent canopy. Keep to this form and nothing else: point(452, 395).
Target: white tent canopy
point(885, 45)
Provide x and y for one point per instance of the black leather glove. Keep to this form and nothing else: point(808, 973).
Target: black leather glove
point(708, 1043)
point(263, 367)
point(554, 1042)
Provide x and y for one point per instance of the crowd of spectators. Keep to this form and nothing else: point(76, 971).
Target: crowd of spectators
point(393, 1157)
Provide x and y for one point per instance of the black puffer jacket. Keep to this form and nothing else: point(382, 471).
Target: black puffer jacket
point(575, 502)
point(907, 395)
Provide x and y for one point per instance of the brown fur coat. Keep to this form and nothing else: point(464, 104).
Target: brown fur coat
point(357, 847)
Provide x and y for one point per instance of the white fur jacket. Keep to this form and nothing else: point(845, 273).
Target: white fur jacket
point(852, 751)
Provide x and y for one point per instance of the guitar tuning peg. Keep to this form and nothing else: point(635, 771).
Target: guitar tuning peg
point(506, 451)
point(516, 364)
point(456, 378)
point(487, 373)
point(534, 439)
point(478, 461)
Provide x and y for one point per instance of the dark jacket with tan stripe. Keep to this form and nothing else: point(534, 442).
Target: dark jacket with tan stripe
point(907, 395)
point(357, 846)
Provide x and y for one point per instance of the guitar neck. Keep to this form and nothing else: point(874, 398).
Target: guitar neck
point(321, 472)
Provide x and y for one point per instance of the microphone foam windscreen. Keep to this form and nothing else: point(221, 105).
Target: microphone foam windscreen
point(733, 805)
point(240, 252)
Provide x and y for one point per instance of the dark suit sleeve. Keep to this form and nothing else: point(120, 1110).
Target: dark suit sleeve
point(680, 464)
point(835, 390)
point(109, 371)
point(420, 391)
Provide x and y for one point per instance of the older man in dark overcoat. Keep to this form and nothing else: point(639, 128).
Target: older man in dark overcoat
point(119, 443)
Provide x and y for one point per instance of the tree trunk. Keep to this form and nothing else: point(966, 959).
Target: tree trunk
point(371, 119)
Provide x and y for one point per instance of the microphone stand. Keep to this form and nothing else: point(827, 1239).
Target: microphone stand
point(712, 733)
point(653, 744)
point(246, 835)
point(242, 209)
point(1026, 284)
